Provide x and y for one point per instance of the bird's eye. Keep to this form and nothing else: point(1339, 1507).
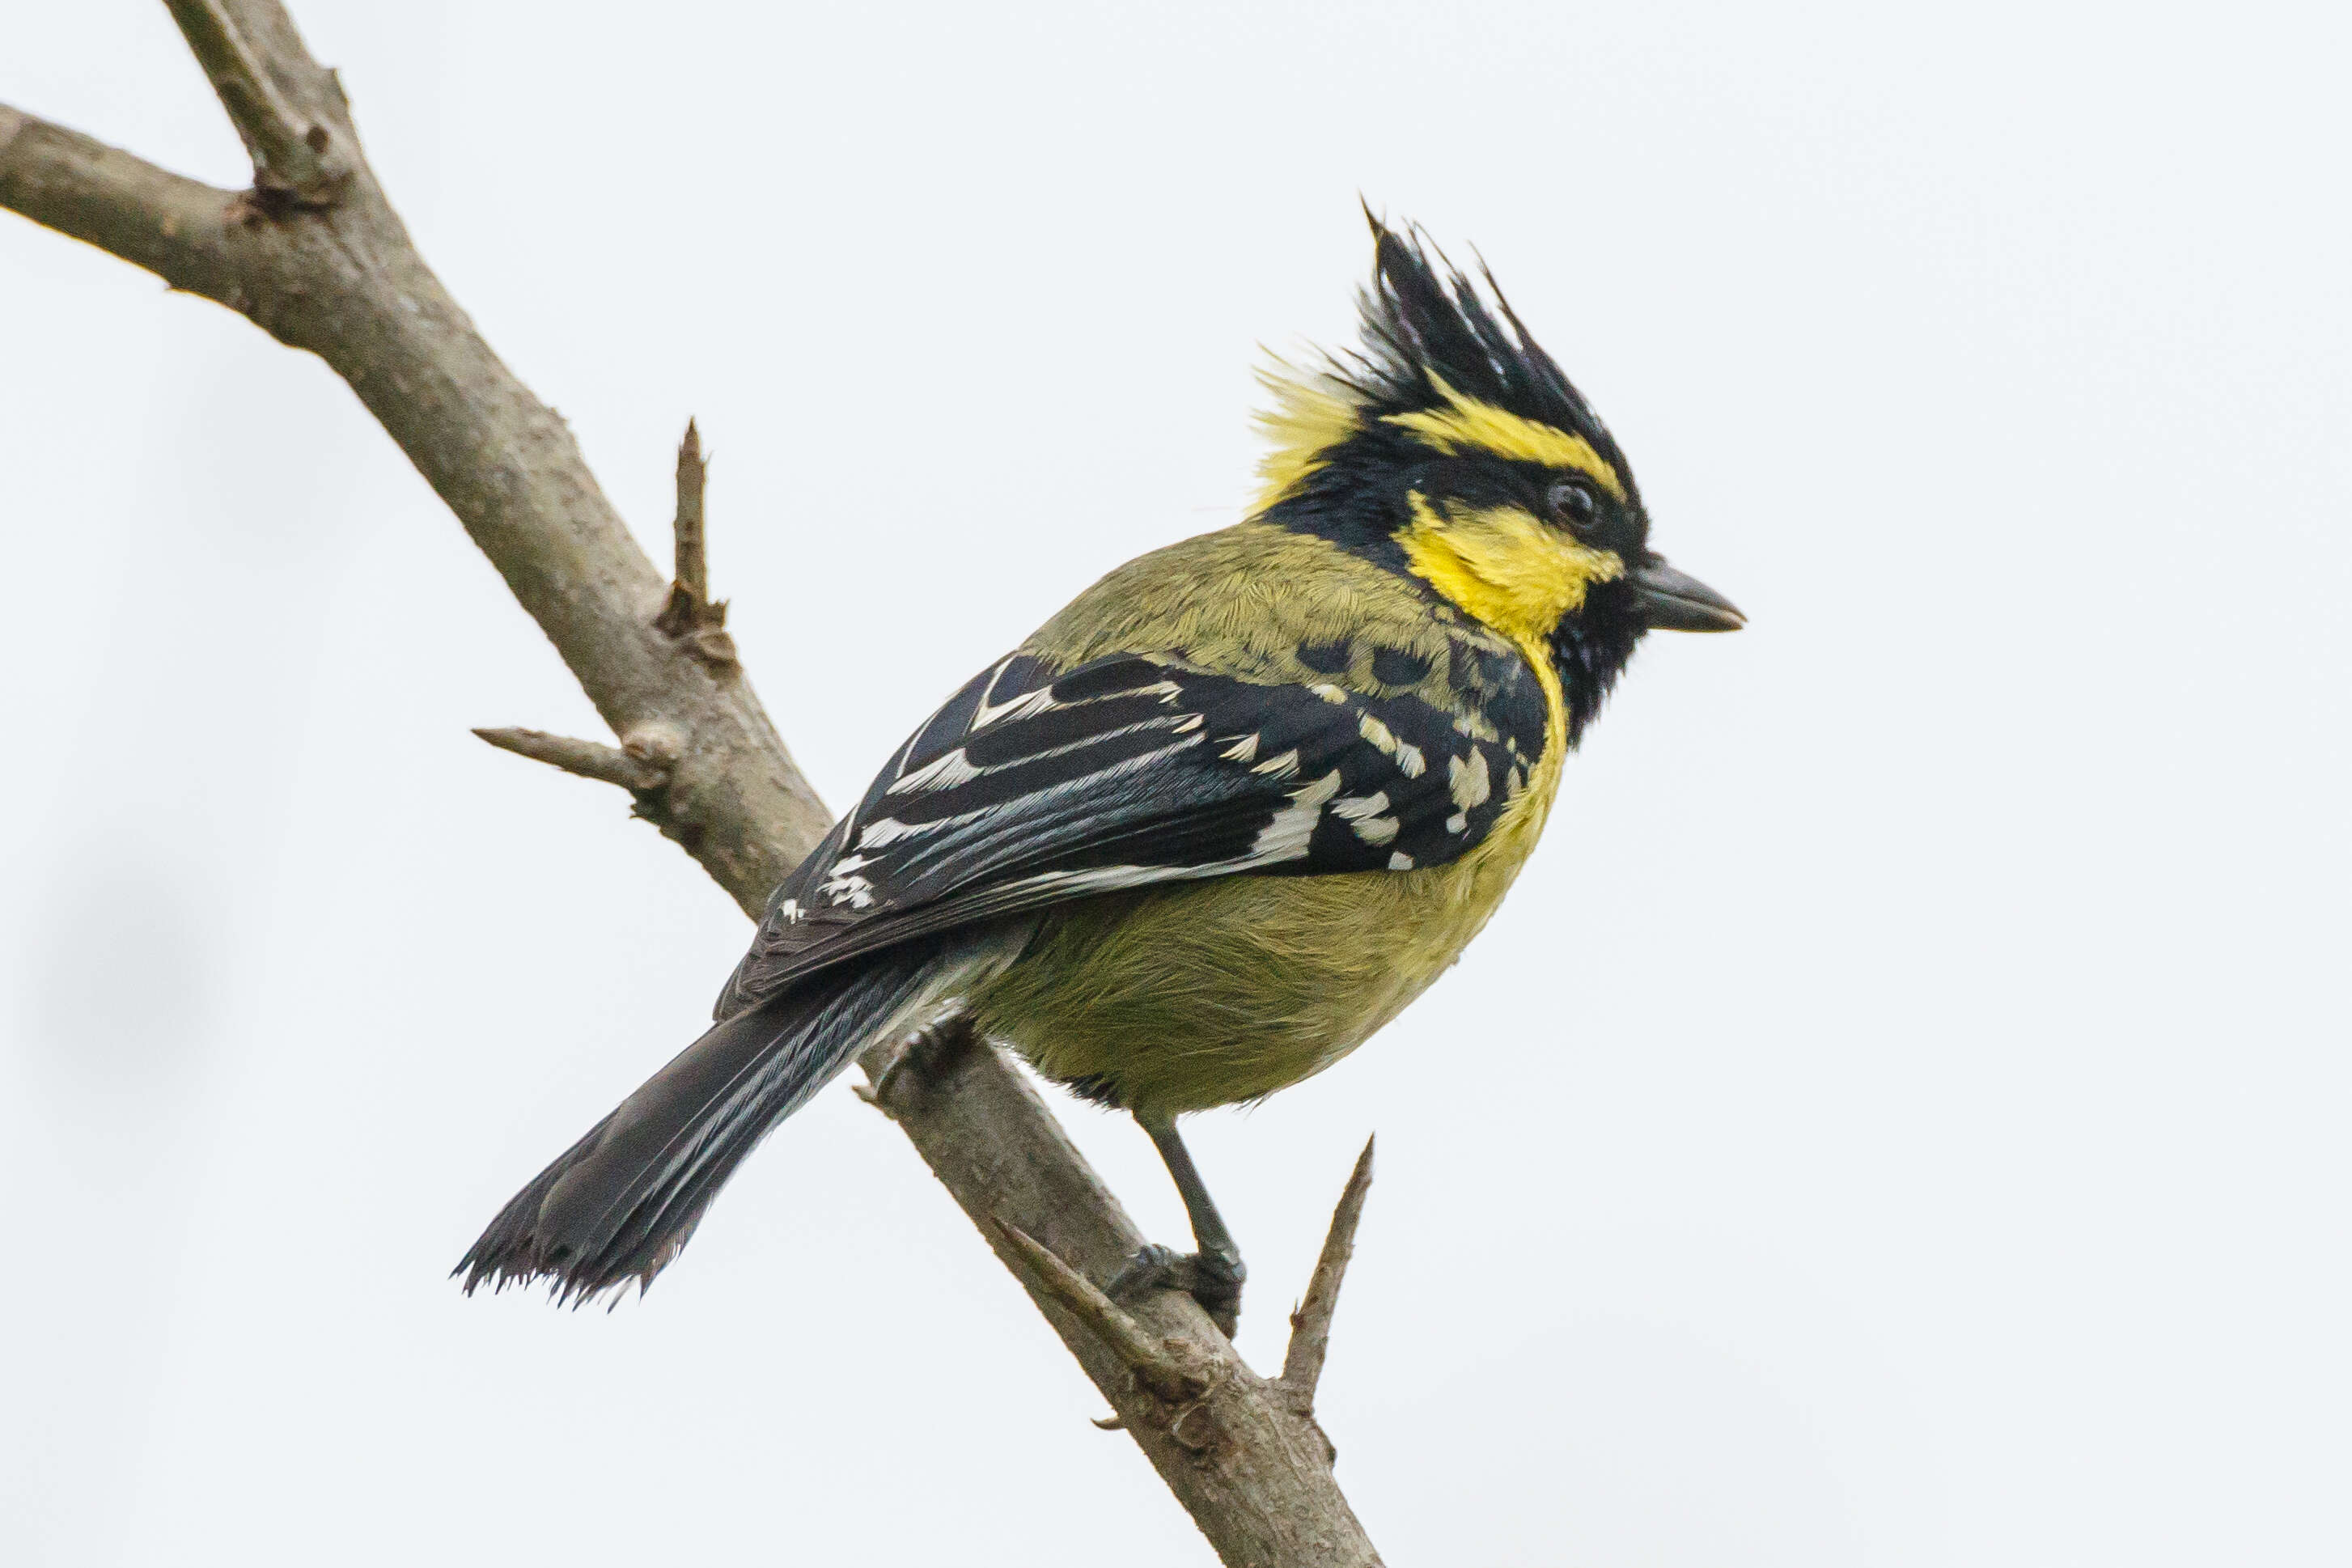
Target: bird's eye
point(1573, 506)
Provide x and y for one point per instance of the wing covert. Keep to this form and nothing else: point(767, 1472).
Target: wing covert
point(1030, 788)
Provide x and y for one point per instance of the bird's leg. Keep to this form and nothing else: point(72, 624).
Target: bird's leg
point(1213, 1275)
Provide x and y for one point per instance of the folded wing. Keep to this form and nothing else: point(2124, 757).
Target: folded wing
point(1030, 788)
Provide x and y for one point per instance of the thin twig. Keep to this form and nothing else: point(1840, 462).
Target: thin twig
point(291, 155)
point(690, 614)
point(1310, 1326)
point(588, 759)
point(693, 573)
point(1147, 1358)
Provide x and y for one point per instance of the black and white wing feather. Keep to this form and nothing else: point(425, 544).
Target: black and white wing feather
point(1030, 788)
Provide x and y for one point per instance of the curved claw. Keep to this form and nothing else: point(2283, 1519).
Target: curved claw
point(1212, 1278)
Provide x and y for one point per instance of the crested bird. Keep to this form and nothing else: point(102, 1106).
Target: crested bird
point(1218, 820)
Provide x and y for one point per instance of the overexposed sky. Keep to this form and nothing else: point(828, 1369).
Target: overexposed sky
point(1898, 1119)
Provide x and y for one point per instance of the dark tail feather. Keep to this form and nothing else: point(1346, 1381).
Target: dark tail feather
point(619, 1204)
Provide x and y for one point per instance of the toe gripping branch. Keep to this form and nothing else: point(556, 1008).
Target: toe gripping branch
point(926, 1054)
point(1184, 1374)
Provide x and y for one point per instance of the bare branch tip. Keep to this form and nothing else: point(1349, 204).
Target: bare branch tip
point(1120, 1333)
point(689, 615)
point(1310, 1325)
point(583, 759)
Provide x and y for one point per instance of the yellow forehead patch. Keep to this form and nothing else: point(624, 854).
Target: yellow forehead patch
point(1310, 415)
point(1467, 423)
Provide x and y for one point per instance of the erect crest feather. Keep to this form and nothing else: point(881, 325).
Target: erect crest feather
point(1442, 358)
point(1312, 411)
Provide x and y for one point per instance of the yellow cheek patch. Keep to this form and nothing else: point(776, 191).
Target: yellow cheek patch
point(1504, 566)
point(1466, 424)
point(1311, 414)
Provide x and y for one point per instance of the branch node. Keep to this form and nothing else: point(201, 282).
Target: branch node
point(1310, 1325)
point(1196, 1414)
point(585, 759)
point(1150, 1360)
point(655, 744)
point(295, 162)
point(689, 615)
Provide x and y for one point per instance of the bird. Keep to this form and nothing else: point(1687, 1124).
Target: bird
point(1218, 820)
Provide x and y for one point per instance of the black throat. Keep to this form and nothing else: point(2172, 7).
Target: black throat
point(1591, 648)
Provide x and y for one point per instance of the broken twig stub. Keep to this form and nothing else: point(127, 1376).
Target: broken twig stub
point(690, 614)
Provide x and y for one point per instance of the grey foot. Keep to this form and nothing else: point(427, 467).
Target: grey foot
point(929, 1052)
point(1211, 1279)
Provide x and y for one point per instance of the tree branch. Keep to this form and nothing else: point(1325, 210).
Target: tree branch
point(173, 226)
point(343, 280)
point(293, 155)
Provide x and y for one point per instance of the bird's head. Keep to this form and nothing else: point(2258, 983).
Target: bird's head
point(1450, 446)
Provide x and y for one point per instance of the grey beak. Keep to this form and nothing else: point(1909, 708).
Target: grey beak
point(1672, 601)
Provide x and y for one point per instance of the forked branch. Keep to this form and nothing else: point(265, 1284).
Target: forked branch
point(294, 154)
point(316, 256)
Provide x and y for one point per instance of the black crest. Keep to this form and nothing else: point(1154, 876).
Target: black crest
point(1425, 320)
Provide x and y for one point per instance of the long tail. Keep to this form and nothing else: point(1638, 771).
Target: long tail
point(619, 1204)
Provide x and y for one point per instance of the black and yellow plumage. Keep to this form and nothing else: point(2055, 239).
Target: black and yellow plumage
point(1221, 818)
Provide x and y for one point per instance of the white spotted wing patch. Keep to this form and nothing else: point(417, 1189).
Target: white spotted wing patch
point(1364, 813)
point(1409, 758)
point(1466, 779)
point(1292, 827)
point(1030, 787)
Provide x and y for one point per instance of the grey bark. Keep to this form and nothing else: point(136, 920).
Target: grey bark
point(315, 255)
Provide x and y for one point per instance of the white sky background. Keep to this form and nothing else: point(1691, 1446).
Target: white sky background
point(1898, 1119)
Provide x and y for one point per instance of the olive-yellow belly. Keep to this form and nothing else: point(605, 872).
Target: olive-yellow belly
point(1196, 995)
